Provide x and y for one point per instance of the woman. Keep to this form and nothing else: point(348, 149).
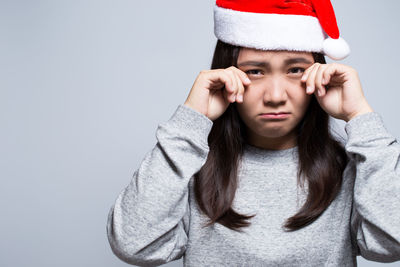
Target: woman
point(220, 188)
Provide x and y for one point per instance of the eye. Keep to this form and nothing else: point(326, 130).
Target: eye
point(248, 72)
point(301, 69)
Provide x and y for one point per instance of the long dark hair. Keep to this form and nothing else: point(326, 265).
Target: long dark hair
point(322, 160)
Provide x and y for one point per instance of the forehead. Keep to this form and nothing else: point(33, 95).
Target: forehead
point(250, 53)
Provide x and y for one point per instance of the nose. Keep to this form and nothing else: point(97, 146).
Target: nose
point(275, 91)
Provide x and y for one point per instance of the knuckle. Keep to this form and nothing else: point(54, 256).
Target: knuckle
point(335, 64)
point(228, 71)
point(352, 69)
point(316, 65)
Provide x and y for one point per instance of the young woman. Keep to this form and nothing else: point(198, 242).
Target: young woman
point(222, 185)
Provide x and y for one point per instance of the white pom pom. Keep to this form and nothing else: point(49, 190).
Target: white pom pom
point(336, 49)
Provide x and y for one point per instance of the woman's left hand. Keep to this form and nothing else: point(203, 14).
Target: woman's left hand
point(341, 93)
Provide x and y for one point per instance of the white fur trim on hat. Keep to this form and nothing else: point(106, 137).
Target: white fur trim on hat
point(269, 31)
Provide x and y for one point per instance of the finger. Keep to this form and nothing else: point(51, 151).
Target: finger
point(330, 70)
point(232, 76)
point(243, 80)
point(318, 80)
point(226, 94)
point(219, 79)
point(242, 86)
point(238, 84)
point(228, 81)
point(311, 79)
point(239, 95)
point(226, 90)
point(305, 76)
point(306, 73)
point(242, 75)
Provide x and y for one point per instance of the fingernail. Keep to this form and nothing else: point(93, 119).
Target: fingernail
point(240, 97)
point(323, 81)
point(247, 80)
point(319, 93)
point(309, 89)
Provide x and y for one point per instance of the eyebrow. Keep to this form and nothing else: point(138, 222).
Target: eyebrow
point(287, 62)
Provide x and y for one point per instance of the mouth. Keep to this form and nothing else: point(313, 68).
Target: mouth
point(275, 115)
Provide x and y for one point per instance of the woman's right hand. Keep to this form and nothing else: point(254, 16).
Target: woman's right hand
point(213, 91)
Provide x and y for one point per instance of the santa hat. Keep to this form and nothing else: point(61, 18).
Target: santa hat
point(296, 25)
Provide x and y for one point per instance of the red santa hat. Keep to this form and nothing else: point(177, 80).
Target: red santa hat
point(296, 25)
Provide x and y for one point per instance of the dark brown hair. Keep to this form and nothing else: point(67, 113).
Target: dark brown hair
point(216, 182)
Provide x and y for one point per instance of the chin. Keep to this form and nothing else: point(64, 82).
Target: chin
point(274, 133)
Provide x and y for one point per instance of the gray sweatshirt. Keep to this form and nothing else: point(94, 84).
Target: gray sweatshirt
point(156, 220)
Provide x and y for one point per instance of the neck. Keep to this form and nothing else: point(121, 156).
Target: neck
point(273, 143)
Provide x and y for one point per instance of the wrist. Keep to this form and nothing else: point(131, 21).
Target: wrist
point(366, 109)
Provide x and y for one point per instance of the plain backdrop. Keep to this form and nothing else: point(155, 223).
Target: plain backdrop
point(84, 85)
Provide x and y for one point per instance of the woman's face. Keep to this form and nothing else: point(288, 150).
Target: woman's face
point(275, 87)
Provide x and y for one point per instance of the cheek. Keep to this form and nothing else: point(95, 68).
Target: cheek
point(303, 102)
point(300, 99)
point(250, 98)
point(252, 93)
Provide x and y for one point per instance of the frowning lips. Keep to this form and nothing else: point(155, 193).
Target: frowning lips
point(275, 113)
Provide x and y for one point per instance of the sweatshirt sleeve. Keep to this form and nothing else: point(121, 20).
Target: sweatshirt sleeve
point(147, 225)
point(375, 219)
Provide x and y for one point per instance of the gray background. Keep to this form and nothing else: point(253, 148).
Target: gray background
point(84, 85)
